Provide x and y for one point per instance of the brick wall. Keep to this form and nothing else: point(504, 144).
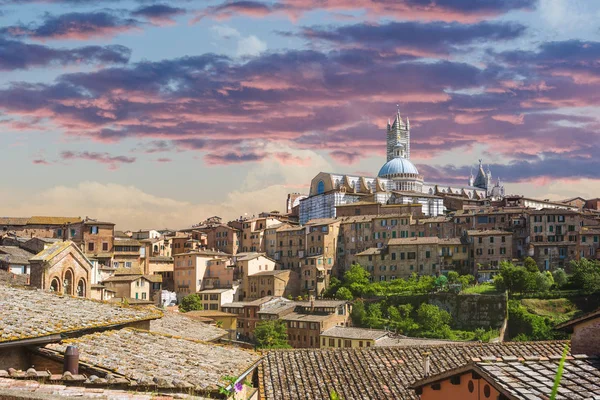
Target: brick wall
point(586, 338)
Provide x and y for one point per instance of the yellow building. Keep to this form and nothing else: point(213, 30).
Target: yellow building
point(339, 336)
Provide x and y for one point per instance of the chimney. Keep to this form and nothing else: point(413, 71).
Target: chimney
point(426, 364)
point(71, 360)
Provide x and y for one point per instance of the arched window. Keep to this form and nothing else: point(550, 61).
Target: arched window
point(68, 282)
point(268, 292)
point(337, 184)
point(321, 187)
point(262, 293)
point(156, 248)
point(55, 285)
point(81, 288)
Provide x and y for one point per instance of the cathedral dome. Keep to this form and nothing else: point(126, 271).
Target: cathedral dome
point(397, 166)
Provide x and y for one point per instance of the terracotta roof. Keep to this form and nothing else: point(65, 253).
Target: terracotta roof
point(213, 291)
point(52, 251)
point(124, 278)
point(370, 251)
point(321, 221)
point(33, 313)
point(533, 377)
point(488, 232)
point(126, 242)
point(155, 278)
point(385, 372)
point(413, 240)
point(302, 317)
point(153, 358)
point(354, 333)
point(15, 255)
point(271, 273)
point(13, 221)
point(399, 340)
point(179, 324)
point(207, 314)
point(46, 387)
point(161, 259)
point(37, 220)
point(93, 222)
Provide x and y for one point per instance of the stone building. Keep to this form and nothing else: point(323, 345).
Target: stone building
point(190, 269)
point(219, 236)
point(14, 259)
point(291, 246)
point(554, 236)
point(62, 268)
point(127, 254)
point(131, 287)
point(401, 258)
point(279, 283)
point(95, 238)
point(488, 249)
point(585, 333)
point(249, 264)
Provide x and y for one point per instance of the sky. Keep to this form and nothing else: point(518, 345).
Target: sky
point(160, 114)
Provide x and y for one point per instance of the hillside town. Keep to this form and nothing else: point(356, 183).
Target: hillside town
point(413, 286)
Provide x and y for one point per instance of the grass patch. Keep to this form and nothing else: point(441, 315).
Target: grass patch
point(558, 310)
point(483, 288)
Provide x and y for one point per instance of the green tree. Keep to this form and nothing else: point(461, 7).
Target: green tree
point(271, 335)
point(514, 279)
point(374, 316)
point(543, 281)
point(400, 319)
point(440, 282)
point(466, 280)
point(560, 277)
point(191, 302)
point(358, 314)
point(334, 285)
point(344, 293)
point(530, 265)
point(453, 277)
point(356, 279)
point(586, 275)
point(432, 318)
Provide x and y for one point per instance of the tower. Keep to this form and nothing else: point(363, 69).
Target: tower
point(398, 132)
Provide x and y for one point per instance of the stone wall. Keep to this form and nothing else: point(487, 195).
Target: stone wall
point(468, 311)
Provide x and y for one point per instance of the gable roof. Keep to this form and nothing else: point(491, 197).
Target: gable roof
point(532, 377)
point(146, 358)
point(13, 221)
point(41, 220)
point(14, 255)
point(179, 324)
point(28, 314)
point(386, 372)
point(53, 250)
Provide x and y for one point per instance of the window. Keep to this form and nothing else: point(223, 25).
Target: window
point(491, 239)
point(72, 232)
point(90, 246)
point(427, 254)
point(128, 264)
point(480, 240)
point(144, 296)
point(104, 246)
point(393, 256)
point(94, 230)
point(320, 187)
point(411, 255)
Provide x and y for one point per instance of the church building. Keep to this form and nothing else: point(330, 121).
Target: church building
point(398, 182)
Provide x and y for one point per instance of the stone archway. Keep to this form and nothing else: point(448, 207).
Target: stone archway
point(55, 285)
point(81, 288)
point(68, 282)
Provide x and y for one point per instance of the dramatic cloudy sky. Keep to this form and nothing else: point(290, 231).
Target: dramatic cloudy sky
point(158, 114)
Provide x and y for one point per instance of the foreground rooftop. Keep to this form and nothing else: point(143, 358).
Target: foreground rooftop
point(384, 372)
point(28, 314)
point(149, 358)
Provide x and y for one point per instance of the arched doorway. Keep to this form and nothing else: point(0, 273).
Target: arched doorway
point(68, 282)
point(55, 285)
point(81, 288)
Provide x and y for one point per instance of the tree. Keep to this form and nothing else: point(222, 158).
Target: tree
point(514, 279)
point(586, 275)
point(358, 314)
point(466, 280)
point(560, 277)
point(374, 316)
point(400, 319)
point(344, 293)
point(271, 335)
point(432, 318)
point(334, 285)
point(453, 277)
point(543, 281)
point(440, 282)
point(530, 265)
point(191, 302)
point(356, 279)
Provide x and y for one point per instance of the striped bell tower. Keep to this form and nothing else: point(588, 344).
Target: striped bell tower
point(398, 132)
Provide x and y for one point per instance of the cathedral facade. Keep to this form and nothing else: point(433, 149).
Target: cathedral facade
point(398, 182)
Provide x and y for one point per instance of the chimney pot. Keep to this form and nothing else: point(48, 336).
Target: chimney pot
point(71, 363)
point(426, 364)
